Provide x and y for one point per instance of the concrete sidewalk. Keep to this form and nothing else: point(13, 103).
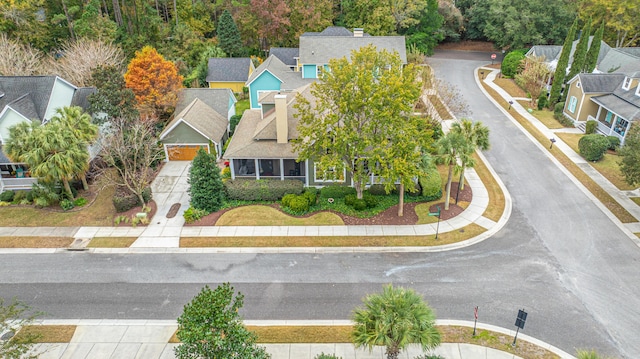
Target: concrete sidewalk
point(95, 339)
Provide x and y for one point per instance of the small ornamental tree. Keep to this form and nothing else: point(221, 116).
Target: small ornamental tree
point(395, 318)
point(630, 152)
point(210, 327)
point(206, 188)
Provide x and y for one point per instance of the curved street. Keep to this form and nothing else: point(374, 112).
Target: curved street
point(558, 257)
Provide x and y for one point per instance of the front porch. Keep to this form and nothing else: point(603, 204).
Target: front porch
point(281, 168)
point(15, 177)
point(608, 124)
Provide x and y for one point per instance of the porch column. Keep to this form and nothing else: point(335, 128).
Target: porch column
point(257, 166)
point(281, 169)
point(233, 170)
point(306, 173)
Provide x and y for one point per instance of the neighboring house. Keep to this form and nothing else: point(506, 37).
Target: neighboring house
point(284, 71)
point(27, 99)
point(201, 121)
point(613, 100)
point(229, 72)
point(551, 53)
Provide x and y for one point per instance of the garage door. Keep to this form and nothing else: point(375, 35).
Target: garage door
point(183, 152)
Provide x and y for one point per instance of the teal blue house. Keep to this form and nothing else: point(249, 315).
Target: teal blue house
point(273, 75)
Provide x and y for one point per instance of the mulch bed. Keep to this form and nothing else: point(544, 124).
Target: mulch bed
point(132, 213)
point(387, 217)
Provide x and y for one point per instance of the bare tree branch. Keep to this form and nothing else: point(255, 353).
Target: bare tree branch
point(17, 59)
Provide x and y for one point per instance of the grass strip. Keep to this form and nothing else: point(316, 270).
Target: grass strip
point(342, 334)
point(467, 232)
point(111, 242)
point(35, 242)
point(497, 201)
point(47, 333)
point(605, 198)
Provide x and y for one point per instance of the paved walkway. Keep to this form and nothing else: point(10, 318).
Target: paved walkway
point(123, 339)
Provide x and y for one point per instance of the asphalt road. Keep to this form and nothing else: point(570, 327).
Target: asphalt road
point(558, 257)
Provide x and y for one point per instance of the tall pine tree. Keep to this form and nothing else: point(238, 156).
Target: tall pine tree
point(561, 67)
point(580, 55)
point(594, 50)
point(229, 35)
point(206, 188)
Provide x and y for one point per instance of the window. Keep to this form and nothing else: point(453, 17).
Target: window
point(578, 84)
point(621, 126)
point(627, 83)
point(328, 175)
point(573, 101)
point(608, 117)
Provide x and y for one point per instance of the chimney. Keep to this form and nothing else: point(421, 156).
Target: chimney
point(282, 126)
point(358, 32)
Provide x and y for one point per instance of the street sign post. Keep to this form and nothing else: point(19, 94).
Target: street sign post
point(475, 321)
point(436, 214)
point(493, 57)
point(520, 320)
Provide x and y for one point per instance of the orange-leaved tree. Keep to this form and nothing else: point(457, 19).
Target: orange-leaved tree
point(155, 82)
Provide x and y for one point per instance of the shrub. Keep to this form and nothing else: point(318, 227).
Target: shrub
point(592, 147)
point(261, 190)
point(311, 194)
point(286, 199)
point(322, 355)
point(336, 191)
point(124, 202)
point(30, 195)
point(146, 195)
point(543, 101)
point(4, 204)
point(233, 122)
point(45, 194)
point(370, 200)
point(299, 204)
point(431, 183)
point(66, 204)
point(19, 196)
point(80, 201)
point(7, 196)
point(590, 127)
point(614, 143)
point(377, 190)
point(350, 199)
point(193, 214)
point(511, 63)
point(359, 204)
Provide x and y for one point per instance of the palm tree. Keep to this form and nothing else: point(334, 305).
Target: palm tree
point(450, 147)
point(395, 318)
point(477, 135)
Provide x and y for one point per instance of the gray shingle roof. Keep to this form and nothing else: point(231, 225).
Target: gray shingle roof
point(201, 117)
point(625, 109)
point(599, 83)
point(331, 31)
point(229, 69)
point(27, 93)
point(255, 137)
point(285, 54)
point(619, 61)
point(320, 49)
point(549, 52)
point(80, 97)
point(217, 99)
point(290, 80)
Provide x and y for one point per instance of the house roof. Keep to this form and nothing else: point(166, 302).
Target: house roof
point(620, 106)
point(552, 53)
point(285, 54)
point(80, 97)
point(256, 137)
point(319, 49)
point(228, 69)
point(202, 118)
point(599, 83)
point(217, 99)
point(289, 79)
point(332, 31)
point(620, 61)
point(28, 95)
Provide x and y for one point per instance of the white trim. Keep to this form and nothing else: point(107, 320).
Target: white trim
point(638, 90)
point(626, 83)
point(4, 111)
point(322, 180)
point(181, 120)
point(67, 82)
point(260, 74)
point(46, 109)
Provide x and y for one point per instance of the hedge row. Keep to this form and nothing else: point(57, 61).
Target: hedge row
point(261, 190)
point(124, 202)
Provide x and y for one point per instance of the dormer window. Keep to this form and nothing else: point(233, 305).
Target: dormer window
point(627, 83)
point(578, 84)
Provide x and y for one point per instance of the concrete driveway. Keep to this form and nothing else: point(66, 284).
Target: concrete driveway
point(169, 187)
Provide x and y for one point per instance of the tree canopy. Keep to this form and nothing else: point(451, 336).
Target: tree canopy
point(395, 318)
point(358, 109)
point(211, 327)
point(630, 152)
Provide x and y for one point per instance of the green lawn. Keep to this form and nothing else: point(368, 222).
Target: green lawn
point(258, 215)
point(242, 105)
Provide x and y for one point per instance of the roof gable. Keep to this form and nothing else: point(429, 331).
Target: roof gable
point(320, 49)
point(217, 99)
point(285, 54)
point(31, 94)
point(229, 69)
point(599, 83)
point(620, 61)
point(201, 118)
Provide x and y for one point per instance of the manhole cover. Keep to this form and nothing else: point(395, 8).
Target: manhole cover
point(173, 210)
point(7, 335)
